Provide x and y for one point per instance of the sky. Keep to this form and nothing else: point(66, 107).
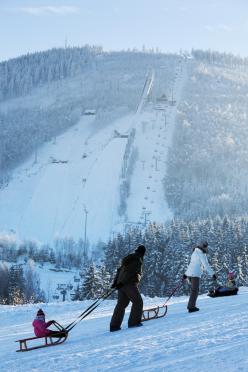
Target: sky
point(35, 25)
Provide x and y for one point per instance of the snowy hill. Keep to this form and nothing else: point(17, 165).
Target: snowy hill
point(214, 338)
point(177, 148)
point(80, 174)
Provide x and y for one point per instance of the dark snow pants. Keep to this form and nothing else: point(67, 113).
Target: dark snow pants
point(57, 334)
point(195, 282)
point(127, 293)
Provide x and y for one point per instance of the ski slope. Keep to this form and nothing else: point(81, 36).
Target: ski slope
point(72, 187)
point(214, 339)
point(45, 200)
point(154, 132)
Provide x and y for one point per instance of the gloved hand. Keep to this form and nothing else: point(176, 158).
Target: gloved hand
point(214, 277)
point(184, 276)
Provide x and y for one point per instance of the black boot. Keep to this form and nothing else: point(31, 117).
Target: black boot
point(114, 329)
point(135, 325)
point(193, 309)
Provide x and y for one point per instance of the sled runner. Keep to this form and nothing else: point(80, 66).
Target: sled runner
point(154, 313)
point(159, 311)
point(222, 291)
point(51, 340)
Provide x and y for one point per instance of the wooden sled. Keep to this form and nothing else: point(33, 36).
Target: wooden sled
point(48, 340)
point(154, 313)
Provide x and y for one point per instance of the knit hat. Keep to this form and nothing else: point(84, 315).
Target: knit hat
point(141, 249)
point(230, 275)
point(40, 314)
point(203, 246)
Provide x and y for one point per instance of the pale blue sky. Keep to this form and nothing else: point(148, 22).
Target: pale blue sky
point(33, 25)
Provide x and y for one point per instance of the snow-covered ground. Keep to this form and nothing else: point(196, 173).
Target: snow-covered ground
point(79, 176)
point(47, 199)
point(215, 338)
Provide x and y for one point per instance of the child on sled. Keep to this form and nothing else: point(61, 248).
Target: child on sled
point(231, 283)
point(41, 326)
point(228, 290)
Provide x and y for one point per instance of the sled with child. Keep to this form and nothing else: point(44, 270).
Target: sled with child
point(53, 339)
point(230, 289)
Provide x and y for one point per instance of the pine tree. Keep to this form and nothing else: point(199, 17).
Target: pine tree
point(4, 283)
point(91, 287)
point(16, 285)
point(105, 279)
point(33, 293)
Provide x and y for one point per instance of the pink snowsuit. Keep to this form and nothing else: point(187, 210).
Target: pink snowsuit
point(40, 328)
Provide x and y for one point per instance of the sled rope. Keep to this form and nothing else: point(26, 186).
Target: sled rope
point(174, 291)
point(89, 310)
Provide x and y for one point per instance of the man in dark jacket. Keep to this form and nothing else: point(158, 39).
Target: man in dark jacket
point(126, 281)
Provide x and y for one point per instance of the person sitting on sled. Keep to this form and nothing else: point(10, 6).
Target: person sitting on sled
point(41, 326)
point(231, 283)
point(229, 289)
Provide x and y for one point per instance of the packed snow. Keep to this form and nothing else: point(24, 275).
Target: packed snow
point(212, 339)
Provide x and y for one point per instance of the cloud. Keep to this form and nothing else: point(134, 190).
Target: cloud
point(216, 28)
point(49, 10)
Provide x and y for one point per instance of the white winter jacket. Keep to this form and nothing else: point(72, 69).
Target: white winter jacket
point(198, 262)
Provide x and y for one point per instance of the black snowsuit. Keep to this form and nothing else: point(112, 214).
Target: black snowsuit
point(129, 275)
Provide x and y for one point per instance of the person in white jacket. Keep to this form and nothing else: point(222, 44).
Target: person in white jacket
point(198, 263)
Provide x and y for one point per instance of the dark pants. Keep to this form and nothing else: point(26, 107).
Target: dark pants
point(57, 334)
point(127, 293)
point(195, 282)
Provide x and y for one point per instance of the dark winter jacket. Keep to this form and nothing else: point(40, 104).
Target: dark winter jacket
point(131, 269)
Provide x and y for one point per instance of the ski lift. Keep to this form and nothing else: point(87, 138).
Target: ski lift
point(61, 286)
point(72, 295)
point(56, 296)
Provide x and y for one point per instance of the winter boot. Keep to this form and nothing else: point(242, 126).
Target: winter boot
point(135, 325)
point(114, 329)
point(193, 309)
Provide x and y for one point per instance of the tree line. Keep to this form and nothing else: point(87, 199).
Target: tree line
point(18, 76)
point(169, 247)
point(207, 171)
